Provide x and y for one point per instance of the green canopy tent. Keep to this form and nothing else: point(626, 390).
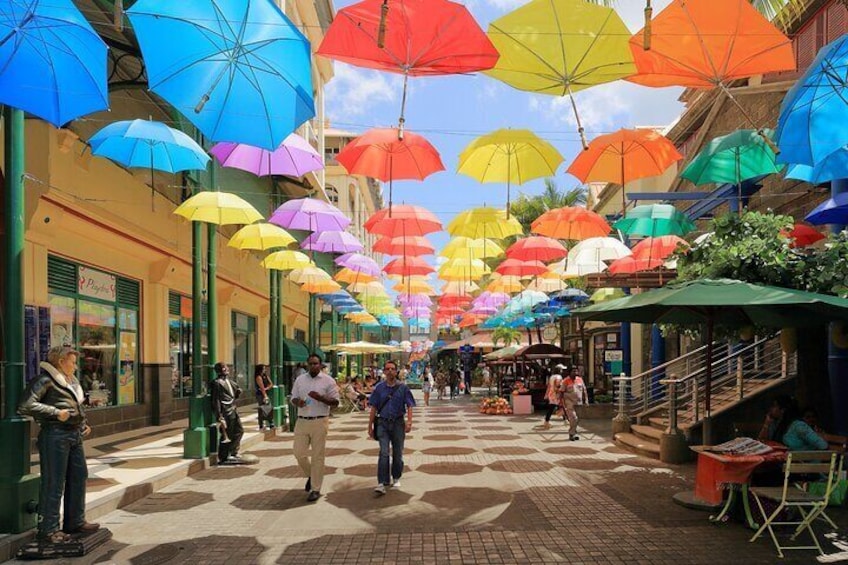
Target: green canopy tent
point(720, 302)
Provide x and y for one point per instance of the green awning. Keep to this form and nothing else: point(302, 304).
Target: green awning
point(294, 352)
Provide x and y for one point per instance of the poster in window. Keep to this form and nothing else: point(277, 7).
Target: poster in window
point(127, 370)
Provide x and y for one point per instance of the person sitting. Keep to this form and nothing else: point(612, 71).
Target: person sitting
point(784, 424)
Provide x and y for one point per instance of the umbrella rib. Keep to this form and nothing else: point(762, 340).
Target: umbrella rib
point(526, 48)
point(398, 61)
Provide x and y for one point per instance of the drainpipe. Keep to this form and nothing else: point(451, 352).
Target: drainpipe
point(837, 357)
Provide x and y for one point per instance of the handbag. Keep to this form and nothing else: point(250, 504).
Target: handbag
point(266, 409)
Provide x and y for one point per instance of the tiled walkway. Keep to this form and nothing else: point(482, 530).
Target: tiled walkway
point(478, 489)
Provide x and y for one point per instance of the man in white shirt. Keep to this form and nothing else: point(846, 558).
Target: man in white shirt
point(314, 393)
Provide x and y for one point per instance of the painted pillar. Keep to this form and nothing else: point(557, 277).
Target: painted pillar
point(334, 338)
point(280, 391)
point(837, 356)
point(348, 358)
point(626, 345)
point(657, 359)
point(312, 338)
point(195, 438)
point(211, 323)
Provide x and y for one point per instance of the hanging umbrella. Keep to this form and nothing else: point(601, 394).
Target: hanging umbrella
point(310, 274)
point(604, 294)
point(561, 47)
point(471, 248)
point(332, 242)
point(149, 145)
point(733, 158)
point(415, 300)
point(348, 276)
point(509, 156)
point(625, 156)
point(410, 245)
point(404, 220)
point(536, 248)
point(222, 208)
point(243, 71)
point(831, 211)
point(491, 299)
point(830, 167)
point(361, 347)
point(261, 237)
point(287, 260)
point(654, 220)
point(543, 283)
point(634, 265)
point(295, 157)
point(592, 253)
point(369, 289)
point(413, 285)
point(708, 44)
point(812, 122)
point(571, 222)
point(519, 268)
point(471, 319)
point(309, 214)
point(408, 266)
point(463, 270)
point(383, 154)
point(803, 235)
point(52, 63)
point(507, 285)
point(720, 302)
point(359, 262)
point(576, 266)
point(659, 247)
point(454, 300)
point(484, 223)
point(459, 287)
point(412, 38)
point(570, 295)
point(320, 286)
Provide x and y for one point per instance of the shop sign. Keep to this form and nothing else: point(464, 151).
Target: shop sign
point(97, 284)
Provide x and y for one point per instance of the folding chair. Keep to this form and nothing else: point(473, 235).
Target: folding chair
point(790, 495)
point(837, 474)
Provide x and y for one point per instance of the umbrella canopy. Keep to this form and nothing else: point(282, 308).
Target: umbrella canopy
point(658, 247)
point(830, 167)
point(536, 248)
point(462, 287)
point(654, 220)
point(463, 270)
point(384, 154)
point(349, 276)
point(261, 237)
point(295, 157)
point(543, 283)
point(243, 73)
point(53, 63)
point(484, 223)
point(606, 293)
point(624, 156)
point(320, 286)
point(309, 214)
point(408, 266)
point(634, 265)
point(570, 222)
point(415, 300)
point(414, 285)
point(402, 221)
point(332, 242)
point(812, 122)
point(831, 211)
point(561, 47)
point(803, 235)
point(222, 208)
point(570, 295)
point(287, 260)
point(596, 250)
point(509, 156)
point(518, 268)
point(410, 245)
point(361, 347)
point(505, 285)
point(471, 248)
point(359, 262)
point(309, 274)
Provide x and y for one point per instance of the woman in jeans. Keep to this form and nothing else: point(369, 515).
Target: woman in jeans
point(263, 389)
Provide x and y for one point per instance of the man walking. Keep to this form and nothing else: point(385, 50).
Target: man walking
point(314, 393)
point(224, 394)
point(390, 401)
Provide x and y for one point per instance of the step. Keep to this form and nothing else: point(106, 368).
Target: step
point(649, 433)
point(638, 445)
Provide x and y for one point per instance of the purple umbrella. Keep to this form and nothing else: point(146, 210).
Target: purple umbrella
point(414, 300)
point(311, 215)
point(332, 242)
point(359, 263)
point(483, 310)
point(294, 158)
point(491, 300)
point(416, 312)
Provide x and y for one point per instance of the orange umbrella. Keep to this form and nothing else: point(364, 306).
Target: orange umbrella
point(707, 43)
point(405, 246)
point(536, 248)
point(469, 320)
point(571, 222)
point(624, 156)
point(630, 264)
point(518, 268)
point(658, 247)
point(408, 266)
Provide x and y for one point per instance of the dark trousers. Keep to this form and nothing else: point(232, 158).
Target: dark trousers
point(63, 471)
point(550, 412)
point(390, 433)
point(468, 383)
point(234, 432)
point(263, 419)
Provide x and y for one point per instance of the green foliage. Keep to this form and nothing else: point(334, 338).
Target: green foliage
point(507, 335)
point(824, 270)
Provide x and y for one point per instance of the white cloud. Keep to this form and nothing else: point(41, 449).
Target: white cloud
point(354, 91)
point(506, 4)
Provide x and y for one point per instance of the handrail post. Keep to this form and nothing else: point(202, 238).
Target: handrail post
point(784, 364)
point(672, 407)
point(621, 422)
point(646, 389)
point(696, 403)
point(740, 378)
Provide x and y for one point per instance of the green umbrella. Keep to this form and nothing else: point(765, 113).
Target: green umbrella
point(733, 158)
point(723, 301)
point(655, 220)
point(604, 294)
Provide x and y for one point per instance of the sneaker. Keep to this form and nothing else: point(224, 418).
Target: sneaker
point(395, 483)
point(308, 487)
point(313, 496)
point(573, 438)
point(380, 489)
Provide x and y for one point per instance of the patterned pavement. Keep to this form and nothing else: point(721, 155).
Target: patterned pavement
point(478, 489)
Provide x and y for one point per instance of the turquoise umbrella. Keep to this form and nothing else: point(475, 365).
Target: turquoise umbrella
point(654, 220)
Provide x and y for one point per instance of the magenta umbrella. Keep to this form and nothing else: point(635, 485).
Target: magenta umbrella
point(359, 263)
point(294, 158)
point(332, 242)
point(309, 214)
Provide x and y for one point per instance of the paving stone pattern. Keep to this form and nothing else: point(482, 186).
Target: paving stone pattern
point(481, 490)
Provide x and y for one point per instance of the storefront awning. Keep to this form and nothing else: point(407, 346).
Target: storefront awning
point(294, 352)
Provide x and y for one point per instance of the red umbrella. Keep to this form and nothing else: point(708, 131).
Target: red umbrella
point(409, 37)
point(454, 300)
point(382, 154)
point(658, 247)
point(536, 248)
point(404, 220)
point(408, 266)
point(630, 264)
point(404, 246)
point(449, 311)
point(521, 268)
point(571, 222)
point(803, 235)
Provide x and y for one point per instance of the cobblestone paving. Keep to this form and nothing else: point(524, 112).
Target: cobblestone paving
point(483, 490)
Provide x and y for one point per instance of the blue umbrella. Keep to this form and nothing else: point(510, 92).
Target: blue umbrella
point(237, 69)
point(570, 295)
point(831, 211)
point(813, 119)
point(833, 166)
point(153, 145)
point(52, 63)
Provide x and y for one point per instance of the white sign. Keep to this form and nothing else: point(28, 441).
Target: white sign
point(97, 284)
point(613, 355)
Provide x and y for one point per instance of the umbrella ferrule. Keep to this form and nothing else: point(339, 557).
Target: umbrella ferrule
point(203, 100)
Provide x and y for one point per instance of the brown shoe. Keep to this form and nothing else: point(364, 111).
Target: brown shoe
point(85, 528)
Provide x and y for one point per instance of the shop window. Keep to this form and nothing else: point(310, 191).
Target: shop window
point(300, 335)
point(244, 350)
point(180, 328)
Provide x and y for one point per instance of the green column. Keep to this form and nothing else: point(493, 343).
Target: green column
point(195, 438)
point(361, 356)
point(279, 397)
point(211, 324)
point(349, 358)
point(18, 487)
point(312, 338)
point(334, 337)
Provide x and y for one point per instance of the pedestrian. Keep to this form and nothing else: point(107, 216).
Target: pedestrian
point(486, 375)
point(579, 387)
point(390, 402)
point(427, 386)
point(569, 402)
point(441, 384)
point(224, 392)
point(454, 384)
point(466, 379)
point(263, 389)
point(55, 399)
point(314, 393)
point(553, 398)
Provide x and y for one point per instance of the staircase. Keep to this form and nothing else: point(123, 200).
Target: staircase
point(674, 393)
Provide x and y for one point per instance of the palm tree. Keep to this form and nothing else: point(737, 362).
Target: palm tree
point(507, 335)
point(527, 208)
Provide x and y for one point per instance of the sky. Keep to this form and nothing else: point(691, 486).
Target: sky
point(451, 111)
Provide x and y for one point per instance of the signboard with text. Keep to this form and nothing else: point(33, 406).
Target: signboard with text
point(97, 284)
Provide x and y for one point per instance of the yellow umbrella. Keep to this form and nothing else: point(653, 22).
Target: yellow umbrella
point(349, 276)
point(509, 285)
point(220, 208)
point(471, 248)
point(511, 156)
point(561, 47)
point(308, 275)
point(261, 237)
point(484, 223)
point(367, 289)
point(359, 347)
point(286, 260)
point(463, 270)
point(414, 286)
point(459, 287)
point(549, 282)
point(321, 286)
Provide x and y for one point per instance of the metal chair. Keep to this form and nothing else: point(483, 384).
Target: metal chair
point(790, 495)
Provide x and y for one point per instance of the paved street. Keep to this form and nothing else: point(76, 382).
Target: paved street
point(478, 489)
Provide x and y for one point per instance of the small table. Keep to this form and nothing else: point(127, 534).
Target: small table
point(718, 471)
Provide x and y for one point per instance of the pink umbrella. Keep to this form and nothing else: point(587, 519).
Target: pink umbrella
point(359, 263)
point(311, 215)
point(483, 310)
point(416, 312)
point(491, 300)
point(415, 300)
point(332, 242)
point(294, 158)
